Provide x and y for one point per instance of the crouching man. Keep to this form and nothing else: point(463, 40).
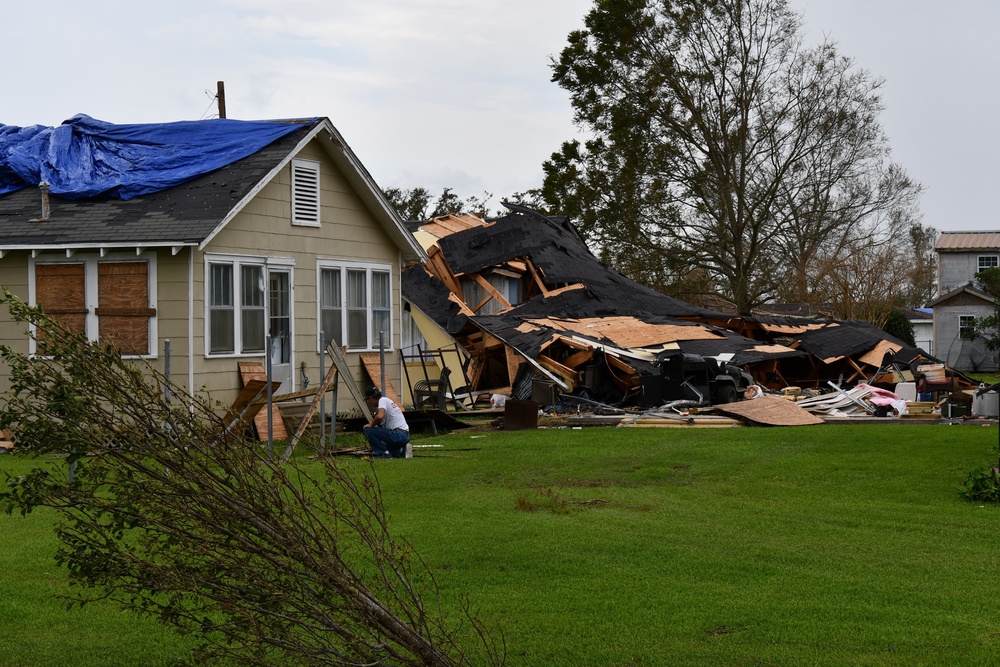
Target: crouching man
point(387, 433)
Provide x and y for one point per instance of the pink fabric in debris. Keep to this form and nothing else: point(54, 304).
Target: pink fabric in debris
point(879, 396)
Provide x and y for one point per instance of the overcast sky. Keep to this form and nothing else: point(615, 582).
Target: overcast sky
point(455, 93)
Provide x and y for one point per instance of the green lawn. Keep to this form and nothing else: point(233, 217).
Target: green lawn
point(828, 545)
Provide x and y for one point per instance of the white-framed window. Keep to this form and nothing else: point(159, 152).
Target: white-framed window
point(410, 336)
point(305, 193)
point(110, 298)
point(966, 326)
point(234, 305)
point(989, 262)
point(355, 303)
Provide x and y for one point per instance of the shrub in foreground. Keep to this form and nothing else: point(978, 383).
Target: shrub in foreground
point(170, 515)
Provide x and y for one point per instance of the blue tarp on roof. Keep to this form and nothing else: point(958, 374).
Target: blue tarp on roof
point(85, 157)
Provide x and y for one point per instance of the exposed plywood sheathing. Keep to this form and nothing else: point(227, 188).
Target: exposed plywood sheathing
point(373, 366)
point(770, 411)
point(877, 354)
point(629, 332)
point(513, 361)
point(252, 370)
point(449, 224)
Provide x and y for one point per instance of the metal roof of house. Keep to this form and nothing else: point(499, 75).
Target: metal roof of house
point(965, 241)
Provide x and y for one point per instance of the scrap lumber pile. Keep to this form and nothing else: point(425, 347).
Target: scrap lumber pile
point(864, 401)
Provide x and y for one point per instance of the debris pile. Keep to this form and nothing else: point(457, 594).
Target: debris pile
point(539, 317)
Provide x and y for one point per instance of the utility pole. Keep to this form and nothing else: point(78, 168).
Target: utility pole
point(221, 97)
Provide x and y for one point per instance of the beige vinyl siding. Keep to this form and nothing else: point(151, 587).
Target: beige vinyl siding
point(15, 268)
point(264, 229)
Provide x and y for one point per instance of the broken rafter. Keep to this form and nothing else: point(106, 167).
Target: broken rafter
point(491, 290)
point(438, 267)
point(581, 357)
point(536, 275)
point(568, 375)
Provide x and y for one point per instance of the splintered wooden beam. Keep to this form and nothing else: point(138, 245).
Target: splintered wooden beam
point(576, 344)
point(579, 358)
point(619, 364)
point(571, 377)
point(438, 267)
point(859, 372)
point(536, 275)
point(491, 290)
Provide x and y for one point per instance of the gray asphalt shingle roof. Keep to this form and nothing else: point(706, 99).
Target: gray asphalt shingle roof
point(184, 214)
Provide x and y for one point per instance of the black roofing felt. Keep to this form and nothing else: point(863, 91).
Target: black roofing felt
point(187, 213)
point(846, 338)
point(429, 294)
point(563, 258)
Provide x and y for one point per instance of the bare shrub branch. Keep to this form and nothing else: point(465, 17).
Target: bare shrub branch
point(265, 563)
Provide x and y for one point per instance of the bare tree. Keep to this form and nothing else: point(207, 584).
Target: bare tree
point(737, 150)
point(171, 512)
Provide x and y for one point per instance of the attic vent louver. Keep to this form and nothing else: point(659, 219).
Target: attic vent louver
point(305, 193)
point(44, 188)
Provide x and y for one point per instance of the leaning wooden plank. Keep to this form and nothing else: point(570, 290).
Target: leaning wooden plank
point(373, 366)
point(340, 362)
point(328, 381)
point(253, 370)
point(246, 406)
point(294, 395)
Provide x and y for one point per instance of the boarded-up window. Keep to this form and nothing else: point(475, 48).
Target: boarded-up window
point(60, 290)
point(123, 312)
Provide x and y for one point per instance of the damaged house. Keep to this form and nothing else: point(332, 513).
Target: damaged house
point(240, 242)
point(536, 314)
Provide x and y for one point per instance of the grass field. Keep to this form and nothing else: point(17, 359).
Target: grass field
point(828, 545)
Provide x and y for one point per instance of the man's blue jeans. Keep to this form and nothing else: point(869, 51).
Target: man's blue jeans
point(387, 442)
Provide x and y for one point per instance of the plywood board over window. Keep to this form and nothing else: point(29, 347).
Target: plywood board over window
point(60, 290)
point(124, 312)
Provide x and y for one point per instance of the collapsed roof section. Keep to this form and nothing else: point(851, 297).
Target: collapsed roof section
point(523, 291)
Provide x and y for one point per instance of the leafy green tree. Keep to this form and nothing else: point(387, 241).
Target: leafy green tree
point(419, 204)
point(900, 326)
point(724, 144)
point(987, 327)
point(169, 512)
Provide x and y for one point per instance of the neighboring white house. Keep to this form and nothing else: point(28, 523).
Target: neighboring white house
point(960, 300)
point(922, 320)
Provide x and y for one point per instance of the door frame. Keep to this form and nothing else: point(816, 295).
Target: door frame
point(286, 268)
